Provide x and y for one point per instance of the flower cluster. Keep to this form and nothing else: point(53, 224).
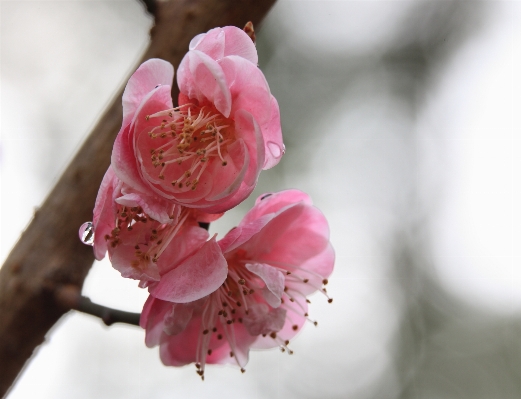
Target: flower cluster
point(175, 168)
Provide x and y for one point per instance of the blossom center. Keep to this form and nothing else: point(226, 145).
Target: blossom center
point(149, 241)
point(190, 138)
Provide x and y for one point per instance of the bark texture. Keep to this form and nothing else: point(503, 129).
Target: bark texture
point(49, 254)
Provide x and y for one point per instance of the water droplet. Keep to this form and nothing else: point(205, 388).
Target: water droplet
point(86, 233)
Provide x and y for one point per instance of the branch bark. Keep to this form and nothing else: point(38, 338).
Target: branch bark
point(69, 296)
point(49, 254)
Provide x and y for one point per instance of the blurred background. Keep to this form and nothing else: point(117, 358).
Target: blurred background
point(402, 121)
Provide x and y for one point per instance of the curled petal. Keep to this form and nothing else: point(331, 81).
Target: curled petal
point(239, 43)
point(209, 80)
point(263, 320)
point(248, 87)
point(222, 42)
point(156, 208)
point(150, 74)
point(270, 203)
point(273, 279)
point(226, 180)
point(210, 43)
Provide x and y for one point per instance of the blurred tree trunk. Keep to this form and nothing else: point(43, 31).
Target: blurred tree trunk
point(49, 254)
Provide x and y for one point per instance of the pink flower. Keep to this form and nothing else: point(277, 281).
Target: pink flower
point(139, 231)
point(278, 255)
point(208, 152)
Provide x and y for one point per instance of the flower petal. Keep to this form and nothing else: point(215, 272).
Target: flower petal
point(123, 255)
point(189, 240)
point(149, 74)
point(103, 214)
point(272, 133)
point(263, 320)
point(199, 275)
point(248, 87)
point(292, 325)
point(156, 208)
point(227, 179)
point(275, 202)
point(152, 315)
point(273, 279)
point(211, 43)
point(176, 321)
point(239, 43)
point(209, 80)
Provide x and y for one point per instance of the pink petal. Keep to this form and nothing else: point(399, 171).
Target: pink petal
point(189, 240)
point(272, 133)
point(275, 202)
point(177, 320)
point(273, 279)
point(156, 208)
point(319, 266)
point(198, 276)
point(247, 128)
point(295, 317)
point(123, 160)
point(239, 43)
point(210, 43)
point(242, 233)
point(186, 83)
point(149, 74)
point(195, 41)
point(103, 214)
point(180, 349)
point(209, 80)
point(124, 156)
point(297, 234)
point(263, 320)
point(221, 42)
point(122, 256)
point(227, 179)
point(248, 87)
point(152, 315)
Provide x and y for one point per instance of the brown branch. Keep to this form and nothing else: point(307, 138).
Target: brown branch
point(49, 254)
point(69, 297)
point(151, 6)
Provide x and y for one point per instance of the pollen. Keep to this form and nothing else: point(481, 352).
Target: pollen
point(203, 136)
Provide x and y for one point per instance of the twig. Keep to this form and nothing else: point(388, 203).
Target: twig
point(69, 297)
point(49, 253)
point(151, 6)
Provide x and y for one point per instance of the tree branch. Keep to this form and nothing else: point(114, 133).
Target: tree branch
point(49, 254)
point(69, 297)
point(151, 6)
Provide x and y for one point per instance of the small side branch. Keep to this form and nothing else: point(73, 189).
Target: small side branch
point(69, 297)
point(151, 6)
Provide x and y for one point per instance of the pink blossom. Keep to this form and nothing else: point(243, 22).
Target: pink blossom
point(141, 231)
point(278, 255)
point(208, 152)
